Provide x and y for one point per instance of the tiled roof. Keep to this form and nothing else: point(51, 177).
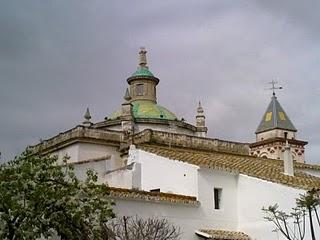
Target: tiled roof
point(266, 169)
point(133, 194)
point(225, 235)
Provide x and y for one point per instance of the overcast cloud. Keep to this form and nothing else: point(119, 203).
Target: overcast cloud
point(58, 57)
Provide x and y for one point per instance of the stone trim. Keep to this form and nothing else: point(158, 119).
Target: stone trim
point(277, 139)
point(78, 134)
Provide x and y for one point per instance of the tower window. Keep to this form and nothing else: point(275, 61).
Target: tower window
point(139, 89)
point(217, 192)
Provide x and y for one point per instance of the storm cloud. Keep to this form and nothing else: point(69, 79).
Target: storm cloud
point(59, 57)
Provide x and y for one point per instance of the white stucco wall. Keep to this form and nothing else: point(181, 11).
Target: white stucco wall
point(191, 218)
point(253, 194)
point(312, 172)
point(100, 167)
point(186, 217)
point(226, 217)
point(169, 175)
point(71, 151)
point(85, 151)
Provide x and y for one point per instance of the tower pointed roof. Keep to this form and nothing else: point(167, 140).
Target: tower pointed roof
point(275, 118)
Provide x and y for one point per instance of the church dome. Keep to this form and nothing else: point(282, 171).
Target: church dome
point(146, 109)
point(142, 72)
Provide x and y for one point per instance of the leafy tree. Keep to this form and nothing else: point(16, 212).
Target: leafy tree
point(133, 228)
point(41, 198)
point(293, 225)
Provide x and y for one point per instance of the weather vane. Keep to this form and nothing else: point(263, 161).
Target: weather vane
point(274, 87)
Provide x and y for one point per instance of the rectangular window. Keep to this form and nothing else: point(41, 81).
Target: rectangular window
point(139, 89)
point(217, 198)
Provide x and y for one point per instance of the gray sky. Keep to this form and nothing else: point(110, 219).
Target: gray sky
point(58, 57)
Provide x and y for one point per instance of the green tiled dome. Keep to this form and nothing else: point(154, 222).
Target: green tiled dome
point(142, 72)
point(146, 109)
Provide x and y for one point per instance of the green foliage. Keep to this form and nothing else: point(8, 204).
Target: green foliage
point(41, 198)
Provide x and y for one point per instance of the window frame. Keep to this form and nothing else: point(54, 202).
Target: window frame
point(217, 198)
point(140, 89)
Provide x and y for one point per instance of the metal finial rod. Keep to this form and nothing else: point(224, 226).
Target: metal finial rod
point(274, 87)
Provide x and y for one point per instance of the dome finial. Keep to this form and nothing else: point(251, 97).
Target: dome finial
point(143, 58)
point(200, 109)
point(87, 117)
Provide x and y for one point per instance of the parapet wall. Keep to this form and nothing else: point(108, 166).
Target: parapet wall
point(79, 133)
point(187, 141)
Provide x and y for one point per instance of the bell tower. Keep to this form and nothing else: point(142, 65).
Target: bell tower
point(271, 134)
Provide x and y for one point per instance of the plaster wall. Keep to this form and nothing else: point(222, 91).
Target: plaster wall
point(93, 150)
point(120, 179)
point(275, 133)
point(253, 194)
point(183, 216)
point(85, 151)
point(191, 218)
point(312, 172)
point(71, 151)
point(226, 216)
point(169, 175)
point(100, 167)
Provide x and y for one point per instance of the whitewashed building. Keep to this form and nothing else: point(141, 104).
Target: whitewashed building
point(157, 165)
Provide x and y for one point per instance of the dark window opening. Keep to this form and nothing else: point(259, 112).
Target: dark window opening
point(139, 89)
point(217, 198)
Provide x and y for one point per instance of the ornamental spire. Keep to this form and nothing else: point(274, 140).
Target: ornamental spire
point(201, 122)
point(127, 95)
point(143, 58)
point(200, 109)
point(87, 117)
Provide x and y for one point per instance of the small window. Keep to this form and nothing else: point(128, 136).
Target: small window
point(217, 198)
point(139, 89)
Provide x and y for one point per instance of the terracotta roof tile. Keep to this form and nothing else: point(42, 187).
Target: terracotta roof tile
point(122, 193)
point(266, 169)
point(225, 235)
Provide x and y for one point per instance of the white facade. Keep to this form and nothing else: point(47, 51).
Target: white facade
point(242, 197)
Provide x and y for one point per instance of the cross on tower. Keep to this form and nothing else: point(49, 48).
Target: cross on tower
point(273, 83)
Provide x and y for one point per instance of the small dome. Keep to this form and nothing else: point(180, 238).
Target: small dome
point(146, 109)
point(142, 72)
